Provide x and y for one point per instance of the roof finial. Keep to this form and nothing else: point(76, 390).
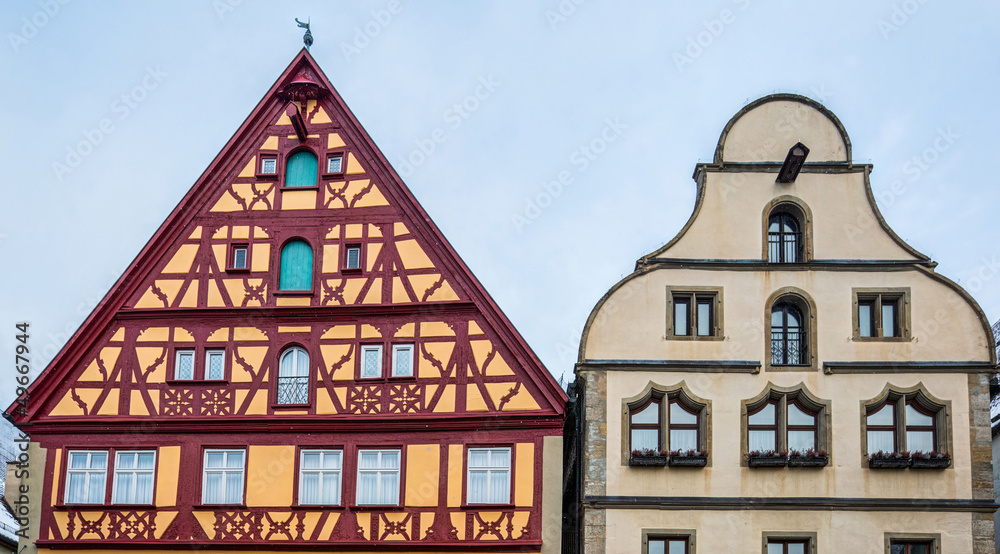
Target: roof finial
point(308, 37)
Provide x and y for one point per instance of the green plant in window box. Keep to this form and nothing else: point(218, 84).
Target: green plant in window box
point(648, 457)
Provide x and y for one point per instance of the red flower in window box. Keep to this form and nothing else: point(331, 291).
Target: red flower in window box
point(688, 458)
point(809, 458)
point(889, 460)
point(648, 457)
point(930, 460)
point(767, 458)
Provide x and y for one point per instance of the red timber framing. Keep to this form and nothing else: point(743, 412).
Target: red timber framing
point(406, 352)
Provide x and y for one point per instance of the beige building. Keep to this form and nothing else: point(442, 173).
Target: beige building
point(786, 375)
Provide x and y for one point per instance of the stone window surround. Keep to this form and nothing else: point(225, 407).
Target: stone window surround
point(798, 392)
point(918, 392)
point(679, 391)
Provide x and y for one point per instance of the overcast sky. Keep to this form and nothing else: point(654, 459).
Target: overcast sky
point(90, 174)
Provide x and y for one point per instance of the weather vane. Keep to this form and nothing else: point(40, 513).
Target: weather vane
point(308, 37)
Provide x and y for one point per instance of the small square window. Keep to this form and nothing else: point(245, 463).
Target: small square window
point(904, 546)
point(335, 164)
point(133, 481)
point(222, 477)
point(668, 545)
point(184, 365)
point(489, 476)
point(796, 546)
point(378, 477)
point(695, 314)
point(238, 260)
point(215, 365)
point(880, 315)
point(371, 361)
point(268, 166)
point(402, 360)
point(86, 476)
point(352, 257)
point(320, 477)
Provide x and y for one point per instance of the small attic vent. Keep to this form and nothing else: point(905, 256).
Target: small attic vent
point(793, 163)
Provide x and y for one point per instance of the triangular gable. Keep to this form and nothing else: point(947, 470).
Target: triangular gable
point(182, 290)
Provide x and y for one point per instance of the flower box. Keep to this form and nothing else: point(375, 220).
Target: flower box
point(688, 461)
point(808, 461)
point(888, 463)
point(643, 460)
point(930, 463)
point(767, 461)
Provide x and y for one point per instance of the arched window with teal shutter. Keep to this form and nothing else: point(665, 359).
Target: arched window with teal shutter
point(301, 169)
point(296, 266)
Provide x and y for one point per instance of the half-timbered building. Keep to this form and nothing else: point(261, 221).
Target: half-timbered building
point(299, 361)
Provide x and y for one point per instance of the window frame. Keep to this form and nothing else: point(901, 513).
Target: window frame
point(361, 262)
point(178, 352)
point(287, 350)
point(799, 210)
point(115, 472)
point(782, 396)
point(807, 308)
point(199, 372)
point(323, 451)
point(933, 538)
point(898, 295)
point(396, 347)
point(400, 485)
point(105, 500)
point(694, 295)
point(278, 291)
point(225, 471)
point(665, 395)
point(924, 402)
point(378, 347)
point(259, 172)
point(489, 470)
point(809, 538)
point(330, 154)
point(284, 174)
point(687, 535)
point(232, 267)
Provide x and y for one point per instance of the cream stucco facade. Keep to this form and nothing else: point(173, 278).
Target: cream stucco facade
point(637, 350)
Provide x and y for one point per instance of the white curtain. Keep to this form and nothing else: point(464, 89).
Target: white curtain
point(922, 441)
point(76, 487)
point(762, 440)
point(683, 439)
point(880, 441)
point(801, 440)
point(213, 488)
point(234, 487)
point(645, 439)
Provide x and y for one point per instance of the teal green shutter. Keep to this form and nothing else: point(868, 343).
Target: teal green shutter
point(296, 266)
point(301, 170)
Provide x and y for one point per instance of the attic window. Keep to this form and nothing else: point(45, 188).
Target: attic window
point(268, 166)
point(335, 164)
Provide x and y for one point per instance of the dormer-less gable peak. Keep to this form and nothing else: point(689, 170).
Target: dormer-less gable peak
point(298, 235)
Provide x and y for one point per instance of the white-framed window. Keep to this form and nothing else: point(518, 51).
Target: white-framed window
point(319, 477)
point(239, 257)
point(222, 477)
point(293, 377)
point(184, 365)
point(352, 257)
point(215, 364)
point(335, 164)
point(268, 166)
point(133, 480)
point(378, 477)
point(371, 361)
point(402, 360)
point(86, 476)
point(489, 476)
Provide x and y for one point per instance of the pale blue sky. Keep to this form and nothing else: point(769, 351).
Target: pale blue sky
point(897, 73)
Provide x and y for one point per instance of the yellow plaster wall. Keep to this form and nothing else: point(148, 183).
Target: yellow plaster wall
point(423, 470)
point(524, 474)
point(167, 476)
point(270, 475)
